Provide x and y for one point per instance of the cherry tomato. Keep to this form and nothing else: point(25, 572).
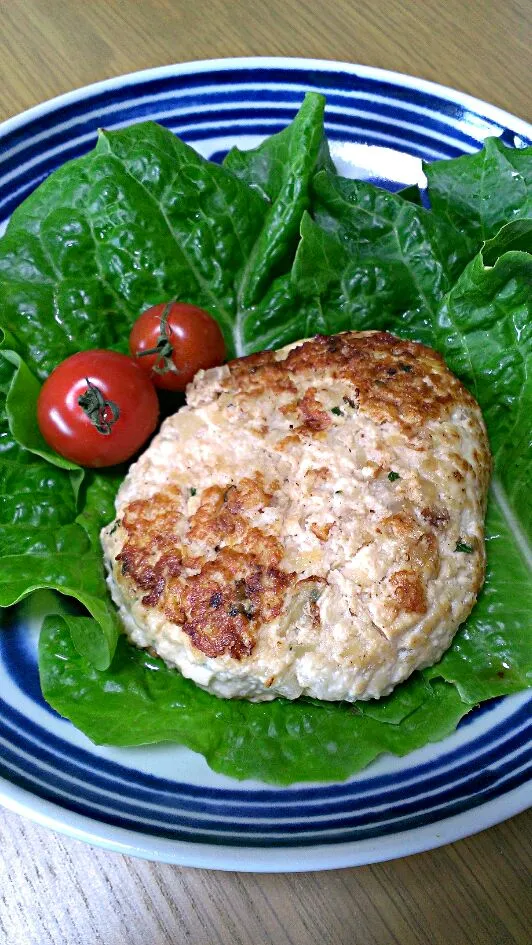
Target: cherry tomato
point(173, 340)
point(97, 408)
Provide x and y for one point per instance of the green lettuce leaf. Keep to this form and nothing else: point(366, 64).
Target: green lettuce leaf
point(287, 159)
point(492, 653)
point(370, 259)
point(44, 542)
point(373, 223)
point(139, 701)
point(21, 391)
point(141, 219)
point(478, 193)
point(483, 328)
point(43, 546)
point(411, 193)
point(512, 237)
point(281, 169)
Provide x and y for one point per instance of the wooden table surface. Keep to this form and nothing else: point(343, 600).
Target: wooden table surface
point(57, 890)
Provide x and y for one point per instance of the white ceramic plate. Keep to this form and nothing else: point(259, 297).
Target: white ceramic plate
point(164, 802)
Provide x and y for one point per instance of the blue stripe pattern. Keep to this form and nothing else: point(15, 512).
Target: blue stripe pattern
point(208, 106)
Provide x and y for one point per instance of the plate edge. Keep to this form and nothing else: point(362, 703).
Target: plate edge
point(242, 859)
point(493, 112)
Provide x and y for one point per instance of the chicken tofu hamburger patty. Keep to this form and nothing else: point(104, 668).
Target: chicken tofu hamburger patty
point(311, 523)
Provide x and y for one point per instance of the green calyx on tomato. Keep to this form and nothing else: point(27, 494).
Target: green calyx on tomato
point(163, 349)
point(101, 412)
point(172, 341)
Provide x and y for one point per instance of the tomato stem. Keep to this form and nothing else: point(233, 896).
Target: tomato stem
point(102, 413)
point(163, 349)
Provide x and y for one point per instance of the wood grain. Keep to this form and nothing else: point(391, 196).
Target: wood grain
point(51, 46)
point(56, 891)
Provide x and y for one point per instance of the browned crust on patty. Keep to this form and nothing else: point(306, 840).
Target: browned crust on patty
point(408, 592)
point(231, 596)
point(321, 531)
point(219, 600)
point(393, 380)
point(315, 418)
point(220, 511)
point(151, 555)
